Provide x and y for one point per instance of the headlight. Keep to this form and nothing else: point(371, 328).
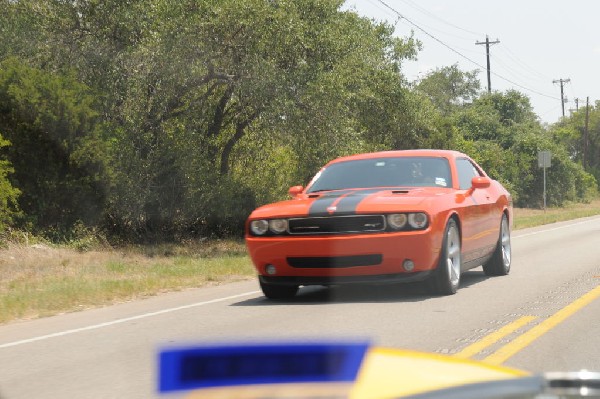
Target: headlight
point(397, 220)
point(417, 220)
point(278, 226)
point(259, 227)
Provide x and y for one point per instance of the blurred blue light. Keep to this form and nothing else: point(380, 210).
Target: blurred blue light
point(229, 365)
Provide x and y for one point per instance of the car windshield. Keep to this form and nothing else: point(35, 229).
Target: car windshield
point(384, 172)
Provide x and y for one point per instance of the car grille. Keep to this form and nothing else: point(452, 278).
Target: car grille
point(335, 262)
point(337, 224)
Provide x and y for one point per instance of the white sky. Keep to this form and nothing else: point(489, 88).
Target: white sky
point(540, 41)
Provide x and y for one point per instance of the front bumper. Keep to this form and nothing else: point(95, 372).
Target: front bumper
point(350, 258)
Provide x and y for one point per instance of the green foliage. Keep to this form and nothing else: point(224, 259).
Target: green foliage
point(448, 87)
point(563, 180)
point(56, 150)
point(501, 132)
point(8, 193)
point(500, 164)
point(500, 117)
point(570, 132)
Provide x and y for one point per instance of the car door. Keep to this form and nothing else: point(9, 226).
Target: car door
point(477, 214)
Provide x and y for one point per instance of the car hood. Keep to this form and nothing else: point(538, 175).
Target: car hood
point(350, 202)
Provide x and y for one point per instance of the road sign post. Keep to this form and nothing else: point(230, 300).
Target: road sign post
point(544, 161)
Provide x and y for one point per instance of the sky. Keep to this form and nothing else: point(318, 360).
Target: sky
point(540, 41)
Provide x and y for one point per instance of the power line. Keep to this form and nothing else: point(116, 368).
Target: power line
point(432, 15)
point(459, 53)
point(511, 71)
point(507, 52)
point(428, 34)
point(526, 67)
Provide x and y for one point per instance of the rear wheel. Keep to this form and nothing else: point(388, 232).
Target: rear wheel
point(274, 291)
point(446, 278)
point(499, 263)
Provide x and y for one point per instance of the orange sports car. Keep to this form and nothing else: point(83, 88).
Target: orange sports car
point(383, 217)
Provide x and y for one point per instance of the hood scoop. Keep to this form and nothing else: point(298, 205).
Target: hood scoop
point(400, 191)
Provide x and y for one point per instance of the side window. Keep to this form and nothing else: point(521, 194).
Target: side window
point(466, 172)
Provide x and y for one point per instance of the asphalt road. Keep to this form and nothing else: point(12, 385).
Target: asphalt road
point(544, 316)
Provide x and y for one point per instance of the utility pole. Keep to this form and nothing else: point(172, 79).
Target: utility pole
point(487, 53)
point(576, 104)
point(586, 131)
point(562, 95)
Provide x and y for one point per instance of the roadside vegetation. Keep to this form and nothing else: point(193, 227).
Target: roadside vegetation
point(43, 279)
point(526, 217)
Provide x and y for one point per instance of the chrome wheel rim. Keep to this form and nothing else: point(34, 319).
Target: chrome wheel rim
point(506, 249)
point(453, 255)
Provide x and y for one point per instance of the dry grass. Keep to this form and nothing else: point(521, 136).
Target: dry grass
point(40, 280)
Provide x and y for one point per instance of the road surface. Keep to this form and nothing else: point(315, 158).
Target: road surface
point(544, 316)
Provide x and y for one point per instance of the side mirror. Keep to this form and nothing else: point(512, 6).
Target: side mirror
point(480, 182)
point(295, 190)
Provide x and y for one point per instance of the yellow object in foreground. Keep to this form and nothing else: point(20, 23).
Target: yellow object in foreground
point(392, 373)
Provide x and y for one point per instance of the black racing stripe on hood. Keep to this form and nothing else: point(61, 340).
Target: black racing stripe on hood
point(320, 205)
point(348, 204)
point(348, 201)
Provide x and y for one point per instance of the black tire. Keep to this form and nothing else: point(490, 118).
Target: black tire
point(446, 277)
point(273, 291)
point(499, 263)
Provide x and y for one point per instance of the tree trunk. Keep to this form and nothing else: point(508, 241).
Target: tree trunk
point(240, 129)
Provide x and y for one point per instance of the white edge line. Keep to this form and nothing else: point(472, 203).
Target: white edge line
point(124, 320)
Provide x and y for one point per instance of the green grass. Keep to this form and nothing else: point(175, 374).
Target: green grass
point(43, 280)
point(524, 218)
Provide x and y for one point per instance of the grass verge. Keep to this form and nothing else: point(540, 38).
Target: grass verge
point(40, 280)
point(43, 280)
point(524, 218)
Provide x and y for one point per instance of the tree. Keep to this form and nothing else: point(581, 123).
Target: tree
point(570, 132)
point(448, 87)
point(8, 194)
point(498, 116)
point(56, 149)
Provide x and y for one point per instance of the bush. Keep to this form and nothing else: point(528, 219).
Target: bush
point(8, 194)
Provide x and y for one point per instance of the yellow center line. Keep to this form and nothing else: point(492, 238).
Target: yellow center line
point(518, 344)
point(494, 337)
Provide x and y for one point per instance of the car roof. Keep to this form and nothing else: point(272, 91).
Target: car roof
point(450, 154)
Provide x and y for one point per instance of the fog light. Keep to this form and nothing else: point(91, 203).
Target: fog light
point(270, 269)
point(408, 265)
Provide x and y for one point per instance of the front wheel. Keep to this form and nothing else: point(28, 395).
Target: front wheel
point(499, 263)
point(274, 291)
point(446, 278)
